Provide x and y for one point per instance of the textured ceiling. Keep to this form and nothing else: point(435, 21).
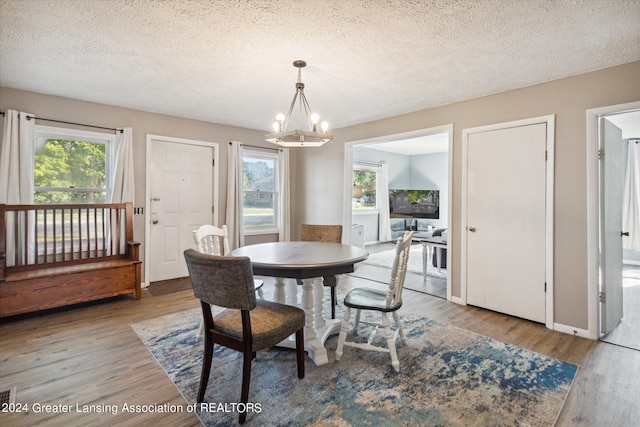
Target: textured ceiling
point(230, 61)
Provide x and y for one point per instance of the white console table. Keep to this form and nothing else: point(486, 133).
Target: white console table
point(428, 243)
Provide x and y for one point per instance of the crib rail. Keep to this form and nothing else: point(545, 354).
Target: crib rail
point(38, 236)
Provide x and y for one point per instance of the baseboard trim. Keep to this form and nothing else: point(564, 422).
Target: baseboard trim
point(583, 333)
point(457, 300)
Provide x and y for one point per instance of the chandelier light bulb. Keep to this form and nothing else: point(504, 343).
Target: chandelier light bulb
point(325, 126)
point(276, 126)
point(280, 117)
point(315, 118)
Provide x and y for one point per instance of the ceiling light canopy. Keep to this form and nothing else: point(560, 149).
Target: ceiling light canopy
point(316, 134)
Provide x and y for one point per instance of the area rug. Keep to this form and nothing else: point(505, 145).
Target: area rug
point(414, 264)
point(448, 377)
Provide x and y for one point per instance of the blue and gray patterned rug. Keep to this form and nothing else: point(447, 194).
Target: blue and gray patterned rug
point(448, 377)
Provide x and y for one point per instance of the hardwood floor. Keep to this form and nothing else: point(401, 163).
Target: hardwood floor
point(89, 355)
point(417, 282)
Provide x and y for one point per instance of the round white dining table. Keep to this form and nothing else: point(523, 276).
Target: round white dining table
point(308, 261)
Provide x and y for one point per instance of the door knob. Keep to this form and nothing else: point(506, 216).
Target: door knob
point(624, 233)
point(155, 221)
point(155, 199)
point(472, 229)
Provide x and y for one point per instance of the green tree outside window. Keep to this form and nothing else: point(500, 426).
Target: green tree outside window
point(67, 171)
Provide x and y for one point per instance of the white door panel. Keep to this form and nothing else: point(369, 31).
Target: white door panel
point(611, 186)
point(506, 228)
point(181, 200)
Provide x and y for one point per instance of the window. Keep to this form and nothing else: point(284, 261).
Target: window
point(71, 166)
point(259, 192)
point(364, 187)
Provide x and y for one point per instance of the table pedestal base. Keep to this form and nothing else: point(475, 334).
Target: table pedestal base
point(315, 347)
point(317, 328)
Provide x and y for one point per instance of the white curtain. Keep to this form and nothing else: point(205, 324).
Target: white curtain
point(382, 196)
point(16, 178)
point(284, 193)
point(16, 158)
point(234, 195)
point(122, 180)
point(631, 202)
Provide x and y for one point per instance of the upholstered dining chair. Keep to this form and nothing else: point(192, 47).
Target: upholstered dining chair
point(215, 241)
point(246, 325)
point(380, 301)
point(324, 233)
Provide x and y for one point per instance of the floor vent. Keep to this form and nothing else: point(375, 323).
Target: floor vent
point(8, 396)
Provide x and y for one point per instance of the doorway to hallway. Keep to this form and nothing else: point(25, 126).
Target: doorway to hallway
point(622, 328)
point(619, 287)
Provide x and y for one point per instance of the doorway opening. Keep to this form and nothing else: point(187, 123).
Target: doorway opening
point(398, 162)
point(618, 254)
point(624, 116)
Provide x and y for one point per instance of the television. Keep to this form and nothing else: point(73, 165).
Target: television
point(405, 203)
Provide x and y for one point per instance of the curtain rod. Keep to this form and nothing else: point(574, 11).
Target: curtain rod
point(76, 124)
point(257, 146)
point(68, 123)
point(367, 163)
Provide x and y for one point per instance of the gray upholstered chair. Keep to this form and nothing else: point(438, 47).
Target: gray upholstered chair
point(215, 241)
point(247, 325)
point(380, 301)
point(324, 233)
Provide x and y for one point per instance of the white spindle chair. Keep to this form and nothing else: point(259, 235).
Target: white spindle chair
point(381, 301)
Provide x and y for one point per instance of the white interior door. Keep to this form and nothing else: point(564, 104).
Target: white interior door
point(505, 222)
point(181, 200)
point(611, 193)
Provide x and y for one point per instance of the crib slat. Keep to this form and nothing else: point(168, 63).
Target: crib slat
point(43, 234)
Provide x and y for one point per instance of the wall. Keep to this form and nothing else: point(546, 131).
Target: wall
point(431, 172)
point(143, 123)
point(568, 99)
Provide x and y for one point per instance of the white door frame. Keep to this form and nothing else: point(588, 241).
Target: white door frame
point(593, 212)
point(347, 218)
point(550, 122)
point(147, 208)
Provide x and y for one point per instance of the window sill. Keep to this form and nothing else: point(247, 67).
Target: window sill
point(360, 212)
point(260, 231)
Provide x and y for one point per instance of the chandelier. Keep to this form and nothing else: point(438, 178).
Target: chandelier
point(315, 136)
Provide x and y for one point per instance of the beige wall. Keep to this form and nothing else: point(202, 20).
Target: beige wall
point(317, 174)
point(320, 171)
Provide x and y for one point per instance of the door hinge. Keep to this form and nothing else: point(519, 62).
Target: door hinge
point(602, 297)
point(545, 287)
point(546, 155)
point(212, 209)
point(600, 154)
point(213, 162)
